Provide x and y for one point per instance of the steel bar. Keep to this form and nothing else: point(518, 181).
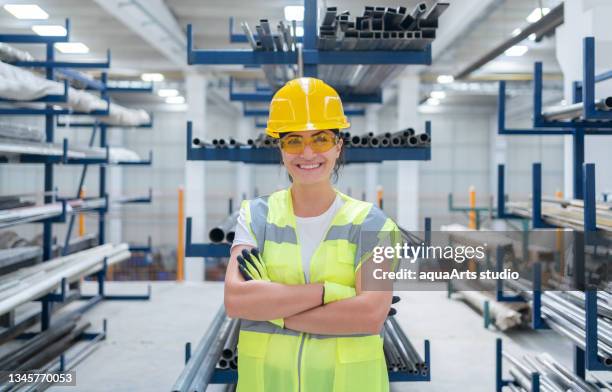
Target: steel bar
point(218, 233)
point(206, 368)
point(190, 370)
point(547, 22)
point(571, 112)
point(410, 350)
point(41, 279)
point(229, 348)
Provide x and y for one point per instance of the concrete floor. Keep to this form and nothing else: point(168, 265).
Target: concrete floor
point(144, 350)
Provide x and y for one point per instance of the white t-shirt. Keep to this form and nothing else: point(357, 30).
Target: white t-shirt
point(310, 232)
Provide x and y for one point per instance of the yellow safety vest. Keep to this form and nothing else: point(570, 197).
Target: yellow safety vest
point(272, 359)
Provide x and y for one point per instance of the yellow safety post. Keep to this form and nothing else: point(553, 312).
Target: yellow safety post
point(81, 215)
point(180, 248)
point(472, 214)
point(560, 241)
point(379, 196)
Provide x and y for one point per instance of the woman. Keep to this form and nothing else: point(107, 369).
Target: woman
point(307, 325)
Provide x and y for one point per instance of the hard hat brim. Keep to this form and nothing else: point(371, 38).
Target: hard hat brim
point(307, 127)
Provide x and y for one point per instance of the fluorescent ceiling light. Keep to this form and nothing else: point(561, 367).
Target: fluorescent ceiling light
point(72, 47)
point(26, 11)
point(516, 32)
point(294, 12)
point(152, 77)
point(433, 101)
point(438, 94)
point(167, 92)
point(537, 14)
point(299, 31)
point(443, 79)
point(532, 36)
point(516, 51)
point(50, 30)
point(178, 99)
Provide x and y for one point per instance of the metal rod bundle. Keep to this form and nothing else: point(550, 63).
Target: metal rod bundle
point(563, 314)
point(186, 379)
point(553, 376)
point(571, 112)
point(379, 28)
point(27, 284)
point(400, 354)
point(14, 216)
point(224, 230)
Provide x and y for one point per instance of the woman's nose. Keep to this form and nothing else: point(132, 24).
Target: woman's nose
point(308, 153)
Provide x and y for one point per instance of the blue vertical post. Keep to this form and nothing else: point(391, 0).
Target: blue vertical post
point(45, 317)
point(535, 382)
point(501, 191)
point(588, 77)
point(310, 34)
point(591, 349)
point(590, 223)
point(427, 231)
point(102, 189)
point(536, 318)
point(579, 362)
point(537, 94)
point(536, 198)
point(578, 147)
point(498, 366)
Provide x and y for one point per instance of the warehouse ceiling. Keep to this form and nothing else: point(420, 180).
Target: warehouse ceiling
point(99, 29)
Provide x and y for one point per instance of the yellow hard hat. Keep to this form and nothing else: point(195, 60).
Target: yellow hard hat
point(305, 104)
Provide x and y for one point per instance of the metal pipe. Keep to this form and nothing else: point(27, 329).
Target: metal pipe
point(563, 112)
point(209, 361)
point(190, 370)
point(218, 233)
point(42, 280)
point(229, 349)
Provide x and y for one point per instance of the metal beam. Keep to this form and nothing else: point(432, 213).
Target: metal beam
point(153, 22)
point(550, 21)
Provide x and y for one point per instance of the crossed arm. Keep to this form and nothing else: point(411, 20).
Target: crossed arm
point(301, 306)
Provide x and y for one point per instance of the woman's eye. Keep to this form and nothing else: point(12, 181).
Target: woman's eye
point(321, 139)
point(294, 141)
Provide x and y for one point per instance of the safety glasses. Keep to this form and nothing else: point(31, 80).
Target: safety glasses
point(320, 142)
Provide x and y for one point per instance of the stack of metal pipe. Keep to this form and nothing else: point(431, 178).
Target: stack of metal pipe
point(226, 230)
point(554, 377)
point(283, 41)
point(229, 355)
point(379, 28)
point(400, 354)
point(218, 349)
point(27, 284)
point(574, 111)
point(261, 141)
point(404, 138)
point(565, 313)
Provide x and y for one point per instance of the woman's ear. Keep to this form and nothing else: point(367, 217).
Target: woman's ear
point(339, 147)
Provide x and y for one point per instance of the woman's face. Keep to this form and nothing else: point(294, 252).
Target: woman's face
point(309, 166)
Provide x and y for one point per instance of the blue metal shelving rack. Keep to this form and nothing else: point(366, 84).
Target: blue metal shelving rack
point(593, 122)
point(248, 154)
point(52, 69)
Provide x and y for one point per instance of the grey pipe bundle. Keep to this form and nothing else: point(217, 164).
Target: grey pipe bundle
point(565, 314)
point(399, 352)
point(224, 230)
point(553, 376)
point(574, 111)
